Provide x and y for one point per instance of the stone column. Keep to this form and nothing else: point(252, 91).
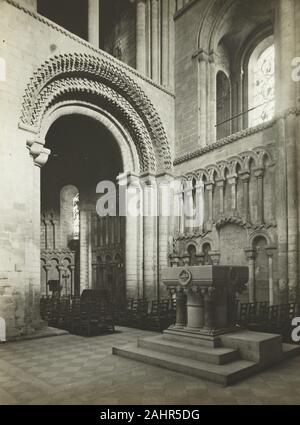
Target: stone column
point(32, 319)
point(251, 284)
point(61, 270)
point(172, 10)
point(165, 43)
point(221, 185)
point(134, 256)
point(47, 269)
point(155, 41)
point(180, 211)
point(202, 99)
point(164, 215)
point(189, 205)
point(95, 274)
point(288, 174)
point(94, 22)
point(47, 225)
point(72, 268)
point(259, 174)
point(209, 314)
point(270, 253)
point(245, 177)
point(55, 234)
point(150, 221)
point(232, 182)
point(141, 36)
point(181, 314)
point(200, 206)
point(210, 188)
point(195, 310)
point(85, 246)
point(212, 96)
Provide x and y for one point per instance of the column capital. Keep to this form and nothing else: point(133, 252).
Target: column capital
point(186, 258)
point(250, 253)
point(127, 178)
point(209, 186)
point(61, 268)
point(259, 172)
point(38, 152)
point(215, 256)
point(232, 179)
point(270, 250)
point(220, 183)
point(245, 176)
point(201, 55)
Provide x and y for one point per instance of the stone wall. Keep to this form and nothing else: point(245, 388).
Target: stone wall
point(118, 33)
point(27, 41)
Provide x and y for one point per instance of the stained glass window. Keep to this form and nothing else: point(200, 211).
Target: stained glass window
point(263, 100)
point(76, 217)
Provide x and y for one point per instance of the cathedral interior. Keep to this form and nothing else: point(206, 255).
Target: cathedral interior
point(204, 92)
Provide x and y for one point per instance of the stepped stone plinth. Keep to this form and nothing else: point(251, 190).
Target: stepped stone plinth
point(205, 342)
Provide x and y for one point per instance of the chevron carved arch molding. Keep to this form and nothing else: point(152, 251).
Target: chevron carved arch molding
point(81, 76)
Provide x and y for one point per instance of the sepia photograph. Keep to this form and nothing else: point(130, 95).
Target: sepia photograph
point(150, 206)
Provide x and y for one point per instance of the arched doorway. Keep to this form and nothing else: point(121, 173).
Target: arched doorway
point(82, 84)
point(83, 153)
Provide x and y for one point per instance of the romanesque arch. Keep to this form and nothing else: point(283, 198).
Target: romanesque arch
point(88, 78)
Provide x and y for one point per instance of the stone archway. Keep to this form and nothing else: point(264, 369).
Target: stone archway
point(75, 83)
point(98, 82)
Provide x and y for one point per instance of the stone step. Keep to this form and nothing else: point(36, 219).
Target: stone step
point(220, 374)
point(191, 338)
point(217, 356)
point(290, 350)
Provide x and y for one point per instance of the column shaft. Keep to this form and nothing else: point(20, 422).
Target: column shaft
point(141, 36)
point(155, 41)
point(202, 94)
point(93, 22)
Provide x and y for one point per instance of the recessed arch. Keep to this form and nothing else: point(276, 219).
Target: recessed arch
point(129, 154)
point(72, 76)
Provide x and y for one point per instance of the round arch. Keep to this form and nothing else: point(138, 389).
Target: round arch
point(130, 157)
point(97, 81)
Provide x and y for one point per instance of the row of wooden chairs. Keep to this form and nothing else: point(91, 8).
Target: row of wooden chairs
point(77, 315)
point(139, 313)
point(265, 318)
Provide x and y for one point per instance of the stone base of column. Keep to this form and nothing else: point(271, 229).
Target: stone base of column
point(198, 336)
point(224, 359)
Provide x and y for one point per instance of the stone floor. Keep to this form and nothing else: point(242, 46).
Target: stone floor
point(76, 370)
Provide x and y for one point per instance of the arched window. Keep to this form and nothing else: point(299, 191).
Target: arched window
point(76, 217)
point(262, 83)
point(223, 106)
point(69, 214)
point(192, 253)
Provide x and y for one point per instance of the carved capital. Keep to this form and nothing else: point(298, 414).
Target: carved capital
point(259, 173)
point(270, 250)
point(245, 176)
point(209, 186)
point(220, 183)
point(38, 152)
point(251, 254)
point(232, 180)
